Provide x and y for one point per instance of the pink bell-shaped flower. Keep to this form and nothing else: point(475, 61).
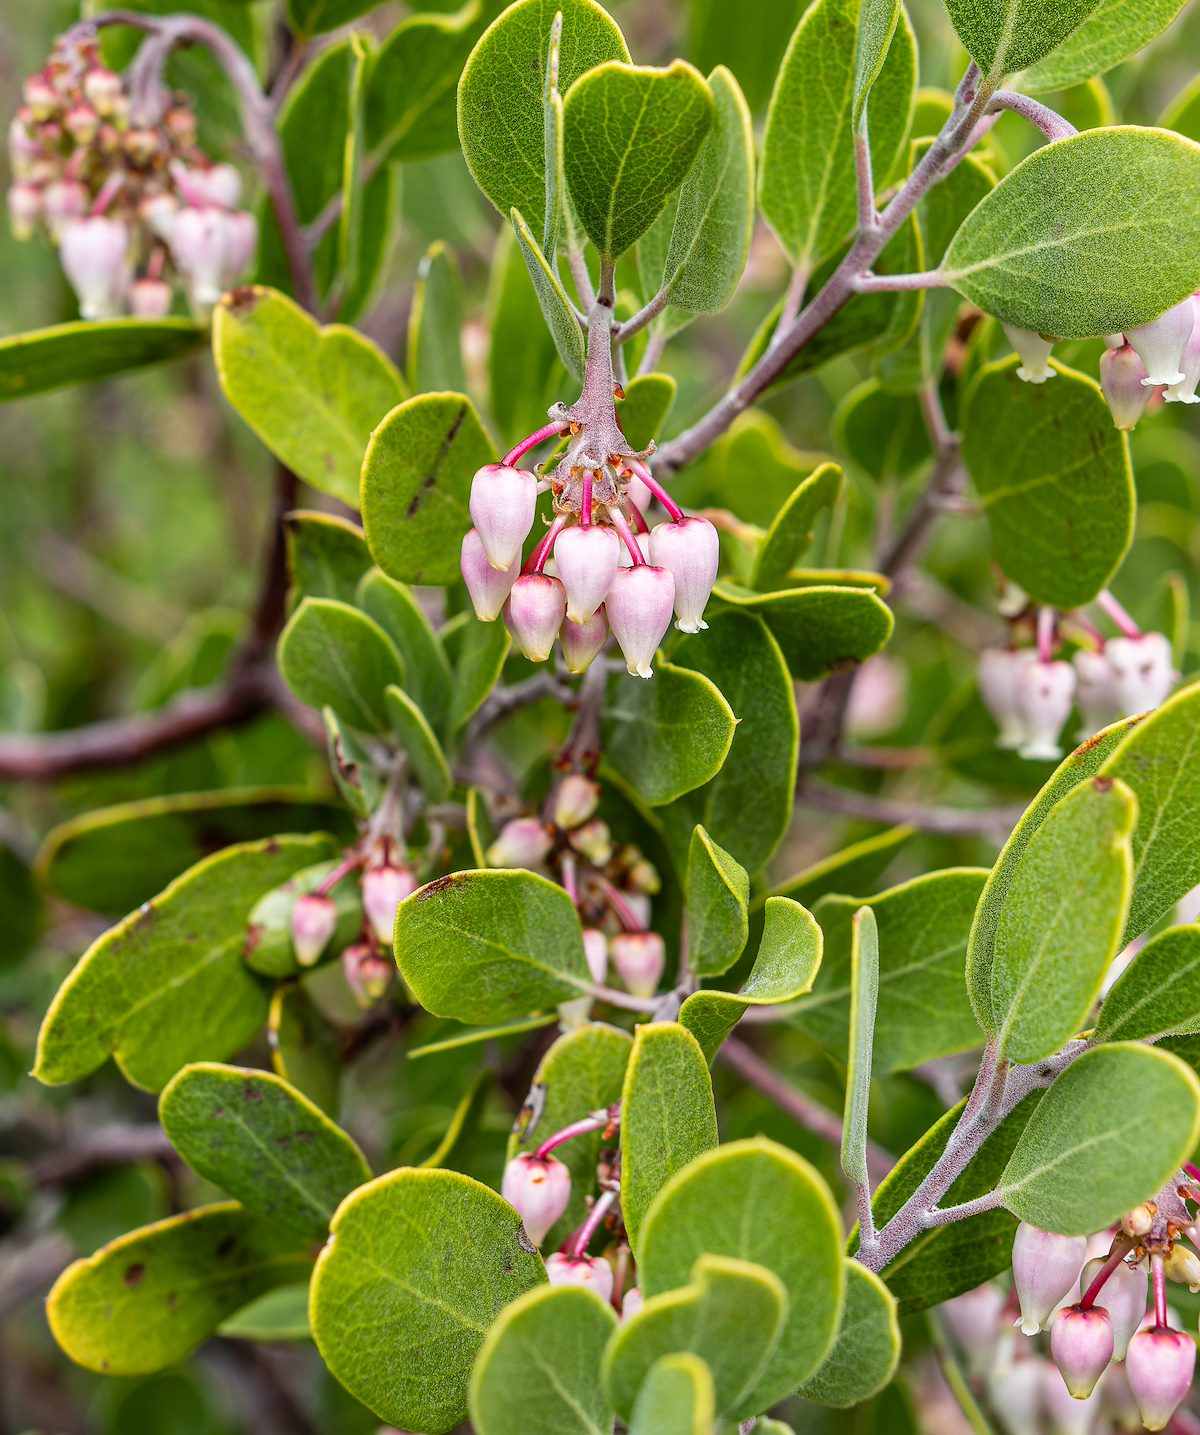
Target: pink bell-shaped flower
point(1094, 692)
point(489, 587)
point(974, 1320)
point(1064, 1413)
point(1033, 351)
point(503, 504)
point(383, 889)
point(534, 614)
point(631, 1302)
point(576, 799)
point(150, 298)
point(591, 1271)
point(1016, 1389)
point(538, 1188)
point(367, 973)
point(1163, 342)
point(1184, 392)
point(1081, 1343)
point(95, 258)
point(595, 949)
point(583, 642)
point(1142, 672)
point(689, 549)
point(1123, 1295)
point(639, 606)
point(24, 209)
point(1159, 1367)
point(104, 89)
point(220, 184)
point(1123, 380)
point(523, 842)
point(314, 919)
point(199, 247)
point(1045, 1267)
point(639, 958)
point(241, 242)
point(1045, 695)
point(62, 201)
point(586, 560)
point(998, 669)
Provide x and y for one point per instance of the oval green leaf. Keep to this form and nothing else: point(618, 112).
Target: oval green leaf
point(718, 896)
point(1113, 31)
point(676, 1398)
point(1158, 994)
point(867, 1349)
point(82, 353)
point(332, 655)
point(1006, 35)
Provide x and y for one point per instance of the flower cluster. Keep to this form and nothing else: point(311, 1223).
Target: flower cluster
point(124, 191)
point(601, 579)
point(1164, 354)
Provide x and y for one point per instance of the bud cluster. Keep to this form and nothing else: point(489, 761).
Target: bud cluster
point(132, 202)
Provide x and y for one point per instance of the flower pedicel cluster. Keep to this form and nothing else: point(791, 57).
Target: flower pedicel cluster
point(124, 191)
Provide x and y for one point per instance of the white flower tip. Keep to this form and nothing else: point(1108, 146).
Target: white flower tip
point(1152, 381)
point(641, 670)
point(1027, 1326)
point(1034, 376)
point(693, 627)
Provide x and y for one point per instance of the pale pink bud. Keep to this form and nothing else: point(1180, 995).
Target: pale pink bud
point(95, 258)
point(1094, 691)
point(1142, 672)
point(591, 1271)
point(974, 1320)
point(383, 889)
point(639, 606)
point(631, 1302)
point(1045, 695)
point(1016, 1392)
point(639, 958)
point(103, 89)
point(1123, 1295)
point(595, 949)
point(538, 1188)
point(534, 614)
point(1122, 377)
point(142, 145)
point(24, 209)
point(1081, 1342)
point(1183, 1266)
point(367, 973)
point(150, 298)
point(1034, 352)
point(689, 549)
point(586, 560)
point(23, 150)
point(159, 211)
point(1159, 1367)
point(643, 877)
point(1066, 1414)
point(1163, 342)
point(582, 642)
point(523, 842)
point(489, 587)
point(221, 185)
point(41, 97)
point(503, 504)
point(314, 919)
point(198, 240)
point(62, 201)
point(594, 841)
point(1184, 392)
point(998, 669)
point(1045, 1267)
point(241, 242)
point(1140, 1220)
point(81, 122)
point(576, 799)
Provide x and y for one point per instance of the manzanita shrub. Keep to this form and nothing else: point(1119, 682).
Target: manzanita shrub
point(676, 1004)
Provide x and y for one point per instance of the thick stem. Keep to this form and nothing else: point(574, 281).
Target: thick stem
point(1049, 121)
point(645, 315)
point(898, 283)
point(868, 215)
point(1159, 1276)
point(555, 430)
point(597, 1121)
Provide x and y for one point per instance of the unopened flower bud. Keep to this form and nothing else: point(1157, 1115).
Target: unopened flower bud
point(1140, 1220)
point(159, 210)
point(998, 669)
point(23, 150)
point(974, 1320)
point(489, 587)
point(150, 298)
point(538, 1189)
point(576, 799)
point(241, 242)
point(1184, 392)
point(1122, 377)
point(631, 1302)
point(1034, 352)
point(523, 842)
point(180, 124)
point(1159, 1367)
point(314, 919)
point(103, 89)
point(639, 958)
point(198, 246)
point(1162, 343)
point(1045, 695)
point(367, 973)
point(1123, 1295)
point(41, 97)
point(142, 144)
point(534, 614)
point(591, 1271)
point(503, 504)
point(221, 184)
point(1015, 1390)
point(586, 560)
point(594, 841)
point(583, 642)
point(639, 607)
point(95, 258)
point(595, 949)
point(1183, 1265)
point(1094, 691)
point(643, 877)
point(1081, 1343)
point(1065, 1414)
point(1045, 1267)
point(1142, 672)
point(81, 122)
point(383, 889)
point(62, 201)
point(689, 549)
point(24, 209)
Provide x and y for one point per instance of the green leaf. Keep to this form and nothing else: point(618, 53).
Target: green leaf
point(1156, 760)
point(311, 394)
point(877, 21)
point(672, 733)
point(1058, 496)
point(923, 1008)
point(81, 353)
point(630, 135)
point(1062, 920)
point(1111, 1130)
point(718, 898)
point(538, 1372)
point(421, 1265)
point(676, 1398)
point(1006, 35)
point(853, 869)
point(524, 375)
point(277, 1315)
point(1183, 113)
point(552, 300)
point(268, 948)
point(1113, 31)
point(310, 17)
point(477, 652)
point(435, 324)
point(148, 1299)
point(648, 400)
point(1078, 767)
point(327, 555)
point(1158, 994)
point(731, 1315)
point(397, 610)
point(806, 185)
point(818, 628)
point(500, 95)
point(792, 530)
point(584, 1071)
point(864, 999)
point(418, 740)
point(867, 1350)
point(755, 1201)
point(667, 1118)
point(416, 480)
point(263, 1142)
point(306, 1049)
point(483, 946)
point(351, 219)
point(1064, 246)
point(787, 962)
point(168, 984)
point(331, 655)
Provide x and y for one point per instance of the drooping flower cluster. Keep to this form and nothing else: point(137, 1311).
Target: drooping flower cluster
point(134, 205)
point(1164, 354)
point(601, 581)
